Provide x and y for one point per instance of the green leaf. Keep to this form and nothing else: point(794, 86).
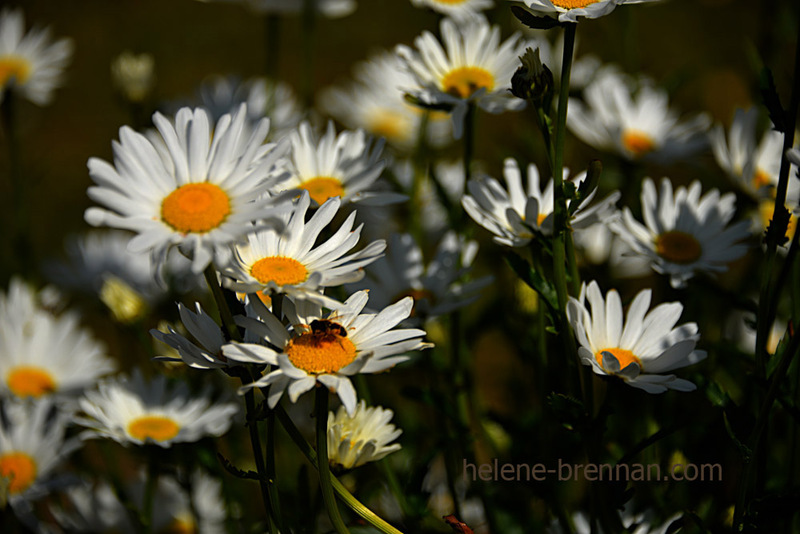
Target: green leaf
point(772, 100)
point(570, 411)
point(414, 101)
point(534, 279)
point(717, 395)
point(588, 185)
point(532, 21)
point(746, 452)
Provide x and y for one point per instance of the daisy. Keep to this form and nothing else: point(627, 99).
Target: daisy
point(374, 102)
point(327, 349)
point(136, 411)
point(365, 436)
point(683, 233)
point(515, 215)
point(42, 354)
point(342, 165)
point(32, 444)
point(473, 67)
point(570, 10)
point(31, 64)
point(635, 127)
point(457, 9)
point(332, 9)
point(437, 288)
point(289, 262)
point(206, 355)
point(639, 348)
point(200, 190)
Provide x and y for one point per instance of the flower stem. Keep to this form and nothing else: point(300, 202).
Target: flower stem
point(225, 314)
point(322, 461)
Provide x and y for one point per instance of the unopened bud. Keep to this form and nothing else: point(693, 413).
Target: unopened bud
point(533, 80)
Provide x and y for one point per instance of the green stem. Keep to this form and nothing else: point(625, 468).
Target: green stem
point(309, 41)
point(420, 175)
point(354, 504)
point(222, 306)
point(151, 484)
point(255, 442)
point(323, 464)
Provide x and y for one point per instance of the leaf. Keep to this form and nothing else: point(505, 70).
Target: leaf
point(569, 410)
point(235, 471)
point(414, 101)
point(456, 525)
point(534, 279)
point(532, 21)
point(772, 100)
point(588, 185)
point(746, 452)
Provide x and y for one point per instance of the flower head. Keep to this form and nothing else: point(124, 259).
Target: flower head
point(134, 75)
point(31, 64)
point(360, 438)
point(570, 10)
point(329, 8)
point(200, 190)
point(457, 9)
point(326, 348)
point(684, 233)
point(639, 348)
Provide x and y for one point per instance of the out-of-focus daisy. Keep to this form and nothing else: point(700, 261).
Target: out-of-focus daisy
point(333, 9)
point(343, 165)
point(134, 75)
point(513, 215)
point(32, 444)
point(437, 288)
point(327, 349)
point(599, 245)
point(635, 127)
point(570, 10)
point(206, 355)
point(684, 233)
point(91, 509)
point(643, 523)
point(458, 9)
point(639, 348)
point(473, 67)
point(42, 354)
point(365, 436)
point(137, 411)
point(375, 103)
point(202, 195)
point(289, 262)
point(439, 190)
point(31, 64)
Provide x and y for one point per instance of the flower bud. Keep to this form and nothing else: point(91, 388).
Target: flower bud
point(533, 80)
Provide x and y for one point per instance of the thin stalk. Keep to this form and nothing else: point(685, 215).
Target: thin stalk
point(354, 504)
point(255, 442)
point(309, 42)
point(322, 461)
point(225, 314)
point(271, 472)
point(420, 175)
point(150, 489)
point(469, 152)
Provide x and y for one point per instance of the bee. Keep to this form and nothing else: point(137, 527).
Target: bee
point(326, 327)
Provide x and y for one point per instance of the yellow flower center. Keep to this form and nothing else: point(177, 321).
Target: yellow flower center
point(126, 304)
point(180, 526)
point(389, 124)
point(199, 207)
point(450, 2)
point(761, 179)
point(678, 247)
point(20, 468)
point(14, 67)
point(320, 353)
point(623, 356)
point(322, 188)
point(767, 208)
point(30, 381)
point(279, 269)
point(155, 427)
point(573, 4)
point(464, 81)
point(639, 143)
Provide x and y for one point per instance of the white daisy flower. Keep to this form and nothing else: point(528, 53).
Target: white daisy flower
point(343, 165)
point(635, 127)
point(457, 9)
point(32, 445)
point(570, 10)
point(206, 355)
point(90, 509)
point(374, 102)
point(641, 347)
point(289, 262)
point(473, 67)
point(134, 75)
point(42, 354)
point(365, 436)
point(332, 9)
point(32, 65)
point(442, 188)
point(136, 411)
point(514, 215)
point(200, 191)
point(327, 349)
point(437, 288)
point(683, 233)
point(599, 245)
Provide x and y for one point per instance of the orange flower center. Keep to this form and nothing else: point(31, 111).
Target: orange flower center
point(279, 269)
point(639, 143)
point(322, 188)
point(14, 67)
point(390, 124)
point(450, 2)
point(320, 353)
point(573, 4)
point(678, 247)
point(623, 356)
point(761, 179)
point(30, 381)
point(767, 208)
point(199, 207)
point(155, 427)
point(180, 526)
point(20, 468)
point(464, 81)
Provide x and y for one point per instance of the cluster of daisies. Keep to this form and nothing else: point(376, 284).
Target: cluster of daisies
point(241, 188)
